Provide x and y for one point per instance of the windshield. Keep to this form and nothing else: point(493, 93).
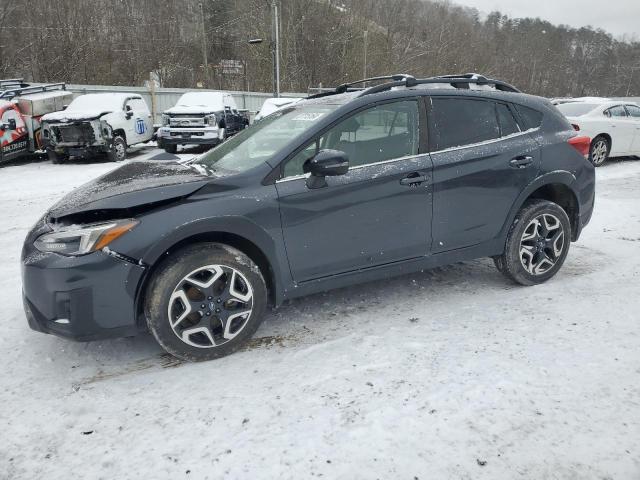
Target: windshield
point(101, 101)
point(576, 109)
point(202, 99)
point(256, 144)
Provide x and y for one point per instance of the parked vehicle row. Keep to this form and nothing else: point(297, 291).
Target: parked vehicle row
point(348, 186)
point(47, 118)
point(613, 126)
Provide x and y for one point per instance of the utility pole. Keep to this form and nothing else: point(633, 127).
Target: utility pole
point(364, 65)
point(275, 47)
point(204, 49)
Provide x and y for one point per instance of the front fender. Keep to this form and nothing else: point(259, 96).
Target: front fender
point(208, 229)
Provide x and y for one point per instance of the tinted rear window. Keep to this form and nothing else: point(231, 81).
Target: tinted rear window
point(462, 121)
point(531, 118)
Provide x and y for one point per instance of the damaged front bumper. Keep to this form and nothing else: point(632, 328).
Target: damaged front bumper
point(83, 298)
point(79, 138)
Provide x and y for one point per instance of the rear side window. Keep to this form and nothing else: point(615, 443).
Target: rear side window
point(633, 110)
point(508, 124)
point(616, 112)
point(463, 121)
point(531, 118)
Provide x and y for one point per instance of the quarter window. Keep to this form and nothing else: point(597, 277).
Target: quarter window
point(531, 118)
point(463, 121)
point(381, 133)
point(508, 125)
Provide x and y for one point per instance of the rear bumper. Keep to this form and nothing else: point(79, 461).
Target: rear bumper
point(82, 298)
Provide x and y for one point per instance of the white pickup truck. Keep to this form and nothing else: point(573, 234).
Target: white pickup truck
point(97, 123)
point(200, 118)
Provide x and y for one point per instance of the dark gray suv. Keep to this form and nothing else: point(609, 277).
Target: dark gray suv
point(350, 185)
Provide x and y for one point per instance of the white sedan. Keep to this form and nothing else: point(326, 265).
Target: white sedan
point(614, 126)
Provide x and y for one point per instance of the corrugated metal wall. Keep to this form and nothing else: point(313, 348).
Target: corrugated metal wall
point(167, 97)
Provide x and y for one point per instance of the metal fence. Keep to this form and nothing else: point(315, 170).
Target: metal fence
point(165, 98)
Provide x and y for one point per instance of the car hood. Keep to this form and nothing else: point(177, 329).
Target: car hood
point(65, 116)
point(132, 185)
point(191, 109)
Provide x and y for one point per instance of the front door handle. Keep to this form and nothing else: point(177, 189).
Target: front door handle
point(523, 161)
point(414, 179)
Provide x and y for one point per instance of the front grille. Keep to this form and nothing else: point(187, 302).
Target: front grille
point(76, 133)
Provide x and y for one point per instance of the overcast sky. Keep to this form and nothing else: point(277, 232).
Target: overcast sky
point(615, 16)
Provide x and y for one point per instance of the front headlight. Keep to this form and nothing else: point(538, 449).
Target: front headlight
point(210, 119)
point(165, 119)
point(82, 239)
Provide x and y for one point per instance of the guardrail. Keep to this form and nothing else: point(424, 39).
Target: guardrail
point(164, 98)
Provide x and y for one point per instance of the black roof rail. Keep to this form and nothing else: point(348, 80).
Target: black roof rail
point(25, 90)
point(349, 87)
point(456, 81)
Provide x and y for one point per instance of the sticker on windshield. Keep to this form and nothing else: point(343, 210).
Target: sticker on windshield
point(308, 116)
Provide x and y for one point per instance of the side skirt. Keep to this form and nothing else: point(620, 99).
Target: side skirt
point(487, 249)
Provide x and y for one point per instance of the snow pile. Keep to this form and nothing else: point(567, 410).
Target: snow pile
point(450, 373)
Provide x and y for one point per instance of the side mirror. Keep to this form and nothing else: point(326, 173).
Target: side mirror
point(128, 115)
point(12, 124)
point(326, 163)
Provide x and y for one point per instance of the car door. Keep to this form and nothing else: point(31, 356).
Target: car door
point(378, 213)
point(129, 122)
point(622, 130)
point(482, 160)
point(634, 116)
point(142, 122)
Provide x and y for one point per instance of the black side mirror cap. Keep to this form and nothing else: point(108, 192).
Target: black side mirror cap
point(12, 124)
point(326, 163)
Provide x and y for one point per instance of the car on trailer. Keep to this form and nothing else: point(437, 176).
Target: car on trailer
point(22, 106)
point(368, 183)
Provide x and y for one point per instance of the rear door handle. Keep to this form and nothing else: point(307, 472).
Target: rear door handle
point(414, 179)
point(522, 161)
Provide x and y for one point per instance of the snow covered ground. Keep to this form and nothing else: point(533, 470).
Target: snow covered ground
point(450, 373)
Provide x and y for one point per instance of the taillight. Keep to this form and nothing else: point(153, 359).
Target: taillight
point(576, 127)
point(581, 144)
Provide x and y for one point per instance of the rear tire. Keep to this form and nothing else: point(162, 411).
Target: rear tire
point(599, 150)
point(56, 158)
point(118, 151)
point(205, 301)
point(173, 148)
point(537, 244)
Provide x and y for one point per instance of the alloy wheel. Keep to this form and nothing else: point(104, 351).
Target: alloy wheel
point(542, 244)
point(599, 152)
point(210, 306)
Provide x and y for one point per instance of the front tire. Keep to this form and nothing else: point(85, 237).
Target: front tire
point(599, 150)
point(171, 148)
point(537, 244)
point(55, 157)
point(118, 151)
point(205, 302)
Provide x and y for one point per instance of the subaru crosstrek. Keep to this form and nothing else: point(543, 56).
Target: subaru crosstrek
point(347, 186)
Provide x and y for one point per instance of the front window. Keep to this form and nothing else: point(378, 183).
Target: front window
point(375, 135)
point(255, 145)
point(616, 112)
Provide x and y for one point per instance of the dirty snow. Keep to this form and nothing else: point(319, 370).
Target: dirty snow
point(450, 373)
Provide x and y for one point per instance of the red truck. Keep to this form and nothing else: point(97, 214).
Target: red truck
point(21, 107)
